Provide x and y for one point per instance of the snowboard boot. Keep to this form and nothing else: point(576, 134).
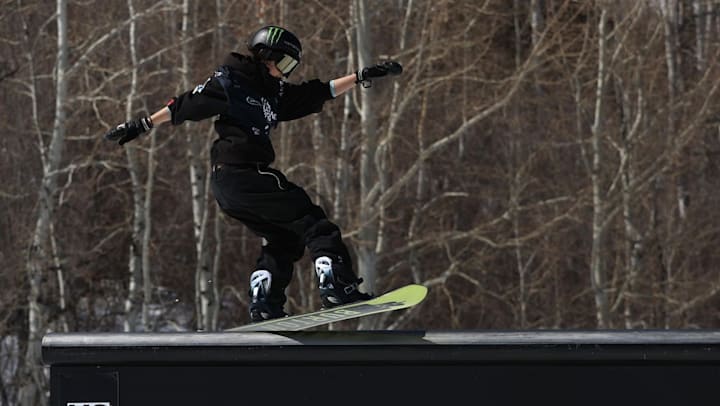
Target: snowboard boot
point(335, 291)
point(262, 305)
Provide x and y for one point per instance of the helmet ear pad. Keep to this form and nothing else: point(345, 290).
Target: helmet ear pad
point(263, 54)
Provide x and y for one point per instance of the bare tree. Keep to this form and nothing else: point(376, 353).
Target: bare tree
point(597, 272)
point(367, 219)
point(139, 257)
point(37, 255)
point(205, 296)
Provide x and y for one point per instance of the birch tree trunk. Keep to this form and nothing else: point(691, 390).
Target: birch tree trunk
point(669, 9)
point(204, 293)
point(342, 171)
point(33, 391)
point(597, 271)
point(382, 155)
point(701, 12)
point(318, 140)
point(214, 304)
point(421, 186)
point(368, 230)
point(29, 391)
point(634, 239)
point(62, 324)
point(413, 256)
point(135, 262)
point(537, 20)
point(516, 161)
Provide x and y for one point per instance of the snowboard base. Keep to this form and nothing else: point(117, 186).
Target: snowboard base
point(401, 298)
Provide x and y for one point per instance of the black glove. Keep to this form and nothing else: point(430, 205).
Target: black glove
point(365, 75)
point(130, 130)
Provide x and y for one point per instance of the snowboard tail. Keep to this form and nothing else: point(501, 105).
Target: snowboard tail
point(401, 298)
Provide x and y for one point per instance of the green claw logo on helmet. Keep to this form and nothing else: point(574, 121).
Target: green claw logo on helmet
point(274, 34)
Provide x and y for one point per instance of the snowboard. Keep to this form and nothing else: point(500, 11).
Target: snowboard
point(397, 299)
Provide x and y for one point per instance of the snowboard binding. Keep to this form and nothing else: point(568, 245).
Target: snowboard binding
point(335, 291)
point(262, 307)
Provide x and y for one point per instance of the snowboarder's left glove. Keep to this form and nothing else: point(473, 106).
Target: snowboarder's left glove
point(364, 76)
point(129, 130)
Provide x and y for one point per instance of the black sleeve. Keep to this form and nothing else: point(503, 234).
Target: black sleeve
point(299, 100)
point(205, 101)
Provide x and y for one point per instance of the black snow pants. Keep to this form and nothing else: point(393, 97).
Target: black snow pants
point(282, 213)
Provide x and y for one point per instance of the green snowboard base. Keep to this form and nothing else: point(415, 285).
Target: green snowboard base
point(401, 298)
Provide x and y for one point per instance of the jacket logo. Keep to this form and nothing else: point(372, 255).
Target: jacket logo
point(200, 88)
point(268, 112)
point(253, 102)
point(270, 115)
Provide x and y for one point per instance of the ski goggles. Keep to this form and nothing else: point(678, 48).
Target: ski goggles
point(284, 63)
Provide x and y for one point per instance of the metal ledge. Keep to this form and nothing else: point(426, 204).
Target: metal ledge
point(397, 347)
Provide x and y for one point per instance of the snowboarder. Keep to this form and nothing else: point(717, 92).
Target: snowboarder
point(249, 96)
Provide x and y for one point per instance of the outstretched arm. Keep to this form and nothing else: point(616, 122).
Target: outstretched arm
point(205, 101)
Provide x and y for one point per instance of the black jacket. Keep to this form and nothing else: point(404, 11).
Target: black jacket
point(249, 103)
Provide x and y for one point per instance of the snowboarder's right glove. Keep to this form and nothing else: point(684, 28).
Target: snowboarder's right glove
point(364, 76)
point(129, 130)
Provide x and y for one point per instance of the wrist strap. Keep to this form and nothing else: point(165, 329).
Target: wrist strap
point(146, 123)
point(363, 81)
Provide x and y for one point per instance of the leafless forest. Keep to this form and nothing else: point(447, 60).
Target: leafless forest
point(539, 164)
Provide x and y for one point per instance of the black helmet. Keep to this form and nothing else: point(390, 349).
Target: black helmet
point(276, 44)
